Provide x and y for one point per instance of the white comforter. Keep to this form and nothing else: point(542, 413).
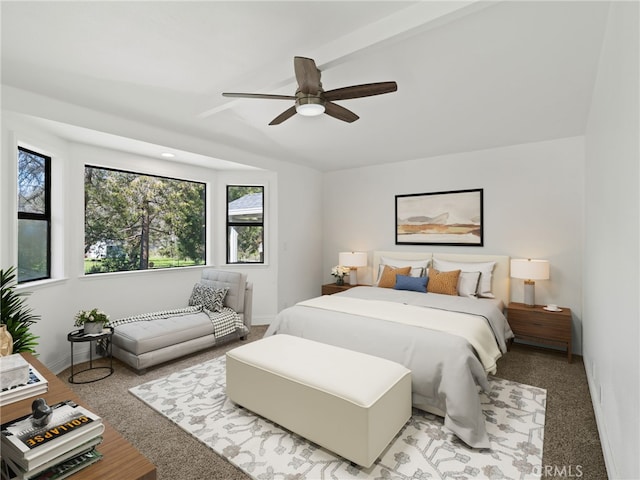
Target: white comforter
point(446, 368)
point(478, 334)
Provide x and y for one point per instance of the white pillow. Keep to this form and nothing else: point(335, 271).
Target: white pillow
point(468, 284)
point(485, 269)
point(418, 267)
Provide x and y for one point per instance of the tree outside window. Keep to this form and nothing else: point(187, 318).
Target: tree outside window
point(245, 224)
point(34, 216)
point(139, 222)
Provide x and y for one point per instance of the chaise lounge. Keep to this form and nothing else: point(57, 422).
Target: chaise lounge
point(219, 311)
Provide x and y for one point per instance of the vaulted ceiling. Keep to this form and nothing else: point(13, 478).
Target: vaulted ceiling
point(470, 74)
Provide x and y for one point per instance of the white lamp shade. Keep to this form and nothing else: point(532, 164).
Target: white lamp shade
point(352, 259)
point(528, 269)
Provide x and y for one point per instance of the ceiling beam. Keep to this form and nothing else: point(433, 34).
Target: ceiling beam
point(416, 18)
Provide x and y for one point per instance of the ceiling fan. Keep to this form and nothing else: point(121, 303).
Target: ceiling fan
point(311, 99)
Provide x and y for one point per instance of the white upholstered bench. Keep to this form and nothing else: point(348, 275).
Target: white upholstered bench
point(348, 402)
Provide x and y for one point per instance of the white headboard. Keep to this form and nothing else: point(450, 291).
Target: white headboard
point(500, 281)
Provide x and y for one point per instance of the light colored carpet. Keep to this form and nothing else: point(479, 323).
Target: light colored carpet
point(195, 400)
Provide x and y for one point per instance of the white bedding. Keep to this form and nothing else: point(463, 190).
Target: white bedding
point(446, 369)
point(477, 333)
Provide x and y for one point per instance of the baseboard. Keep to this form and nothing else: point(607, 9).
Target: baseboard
point(602, 428)
point(61, 364)
point(262, 320)
point(80, 355)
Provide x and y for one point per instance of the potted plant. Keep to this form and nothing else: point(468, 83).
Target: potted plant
point(93, 321)
point(15, 315)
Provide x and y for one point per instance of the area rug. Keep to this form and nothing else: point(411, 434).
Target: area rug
point(195, 400)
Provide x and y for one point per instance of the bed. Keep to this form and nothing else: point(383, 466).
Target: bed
point(450, 342)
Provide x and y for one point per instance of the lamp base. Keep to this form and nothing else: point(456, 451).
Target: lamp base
point(529, 293)
point(353, 276)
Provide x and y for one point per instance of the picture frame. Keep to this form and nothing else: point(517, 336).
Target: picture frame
point(453, 218)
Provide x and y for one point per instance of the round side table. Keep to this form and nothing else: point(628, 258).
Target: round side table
point(79, 336)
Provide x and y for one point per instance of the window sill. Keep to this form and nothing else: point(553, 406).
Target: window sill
point(150, 271)
point(40, 284)
point(242, 265)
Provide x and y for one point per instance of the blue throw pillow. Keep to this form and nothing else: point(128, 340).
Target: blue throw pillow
point(416, 284)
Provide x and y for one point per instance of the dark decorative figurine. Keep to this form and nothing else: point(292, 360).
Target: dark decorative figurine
point(41, 412)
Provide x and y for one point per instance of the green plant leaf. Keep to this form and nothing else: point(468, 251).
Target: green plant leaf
point(15, 314)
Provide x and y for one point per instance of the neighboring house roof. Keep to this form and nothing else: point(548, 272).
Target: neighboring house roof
point(248, 204)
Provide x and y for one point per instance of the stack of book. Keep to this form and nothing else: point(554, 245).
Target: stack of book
point(66, 444)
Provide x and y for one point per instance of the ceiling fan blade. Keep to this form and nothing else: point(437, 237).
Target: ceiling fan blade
point(288, 113)
point(336, 111)
point(307, 75)
point(259, 95)
point(359, 91)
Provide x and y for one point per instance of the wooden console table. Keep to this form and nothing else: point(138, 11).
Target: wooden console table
point(120, 459)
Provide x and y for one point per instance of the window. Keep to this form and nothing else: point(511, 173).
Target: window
point(245, 224)
point(34, 216)
point(138, 222)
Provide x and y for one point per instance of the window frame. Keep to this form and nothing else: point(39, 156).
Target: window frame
point(229, 224)
point(205, 199)
point(45, 217)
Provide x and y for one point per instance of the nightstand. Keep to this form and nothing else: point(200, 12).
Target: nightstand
point(539, 325)
point(331, 288)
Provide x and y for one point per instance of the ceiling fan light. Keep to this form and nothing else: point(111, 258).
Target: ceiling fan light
point(310, 109)
point(309, 105)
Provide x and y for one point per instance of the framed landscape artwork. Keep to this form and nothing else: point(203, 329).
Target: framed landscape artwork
point(440, 218)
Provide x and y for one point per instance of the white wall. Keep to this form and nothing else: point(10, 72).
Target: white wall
point(300, 235)
point(136, 292)
point(299, 188)
point(533, 207)
point(612, 244)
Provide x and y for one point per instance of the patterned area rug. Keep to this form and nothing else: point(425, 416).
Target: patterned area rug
point(195, 400)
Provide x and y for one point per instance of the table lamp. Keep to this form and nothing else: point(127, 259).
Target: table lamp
point(529, 270)
point(353, 260)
